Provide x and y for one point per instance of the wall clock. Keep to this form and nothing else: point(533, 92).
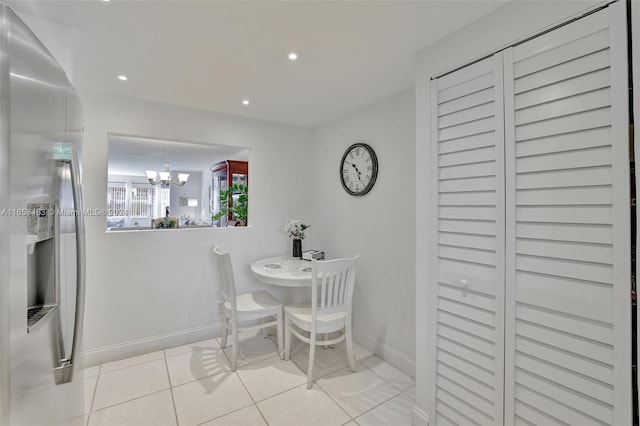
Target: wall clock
point(358, 169)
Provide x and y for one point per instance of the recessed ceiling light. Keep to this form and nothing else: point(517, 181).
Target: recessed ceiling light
point(292, 56)
point(122, 77)
point(245, 102)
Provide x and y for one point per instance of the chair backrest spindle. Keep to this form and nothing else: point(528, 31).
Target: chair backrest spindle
point(332, 284)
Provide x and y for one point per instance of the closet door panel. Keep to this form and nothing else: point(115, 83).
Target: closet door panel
point(468, 300)
point(567, 255)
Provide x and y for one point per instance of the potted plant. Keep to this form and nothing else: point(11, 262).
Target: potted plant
point(165, 222)
point(234, 202)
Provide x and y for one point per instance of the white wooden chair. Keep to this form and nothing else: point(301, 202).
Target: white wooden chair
point(328, 312)
point(245, 307)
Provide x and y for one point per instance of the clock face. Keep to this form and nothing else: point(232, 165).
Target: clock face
point(358, 169)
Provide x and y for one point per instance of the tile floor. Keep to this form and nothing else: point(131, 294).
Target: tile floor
point(193, 385)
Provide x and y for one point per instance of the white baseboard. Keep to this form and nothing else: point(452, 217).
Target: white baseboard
point(149, 344)
point(419, 417)
point(390, 354)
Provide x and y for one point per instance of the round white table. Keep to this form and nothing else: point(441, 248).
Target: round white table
point(283, 271)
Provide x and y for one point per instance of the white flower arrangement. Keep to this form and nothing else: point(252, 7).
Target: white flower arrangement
point(296, 228)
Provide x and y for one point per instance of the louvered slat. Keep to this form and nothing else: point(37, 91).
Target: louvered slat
point(528, 415)
point(592, 176)
point(473, 227)
point(466, 143)
point(595, 234)
point(569, 215)
point(467, 241)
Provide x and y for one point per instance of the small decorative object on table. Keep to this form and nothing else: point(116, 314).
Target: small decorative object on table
point(312, 254)
point(296, 228)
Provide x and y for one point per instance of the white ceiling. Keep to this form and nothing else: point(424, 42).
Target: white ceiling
point(212, 54)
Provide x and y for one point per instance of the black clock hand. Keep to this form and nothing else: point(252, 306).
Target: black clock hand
point(356, 167)
point(358, 172)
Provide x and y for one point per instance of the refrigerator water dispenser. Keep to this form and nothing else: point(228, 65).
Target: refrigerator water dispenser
point(42, 273)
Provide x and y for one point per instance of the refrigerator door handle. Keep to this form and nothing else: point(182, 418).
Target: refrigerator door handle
point(67, 154)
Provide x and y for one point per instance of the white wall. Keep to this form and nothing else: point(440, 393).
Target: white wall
point(379, 225)
point(153, 289)
point(191, 189)
point(512, 22)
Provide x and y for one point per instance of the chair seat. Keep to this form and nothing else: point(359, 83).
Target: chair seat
point(256, 301)
point(300, 315)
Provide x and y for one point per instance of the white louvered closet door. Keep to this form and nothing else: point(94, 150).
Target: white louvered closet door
point(568, 323)
point(530, 287)
point(468, 300)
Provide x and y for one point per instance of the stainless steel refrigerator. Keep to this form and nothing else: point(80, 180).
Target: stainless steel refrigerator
point(41, 234)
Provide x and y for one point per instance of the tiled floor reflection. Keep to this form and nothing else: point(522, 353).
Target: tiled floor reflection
point(194, 385)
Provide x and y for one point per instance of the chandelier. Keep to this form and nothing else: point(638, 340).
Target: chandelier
point(166, 177)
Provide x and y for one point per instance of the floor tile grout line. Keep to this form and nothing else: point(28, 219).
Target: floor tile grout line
point(389, 384)
point(177, 385)
point(190, 347)
point(250, 362)
point(286, 390)
point(326, 373)
point(317, 377)
point(93, 395)
point(130, 399)
point(398, 388)
point(334, 401)
point(132, 365)
point(384, 378)
point(330, 397)
point(226, 356)
point(226, 414)
point(377, 406)
point(252, 399)
point(173, 400)
point(253, 402)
